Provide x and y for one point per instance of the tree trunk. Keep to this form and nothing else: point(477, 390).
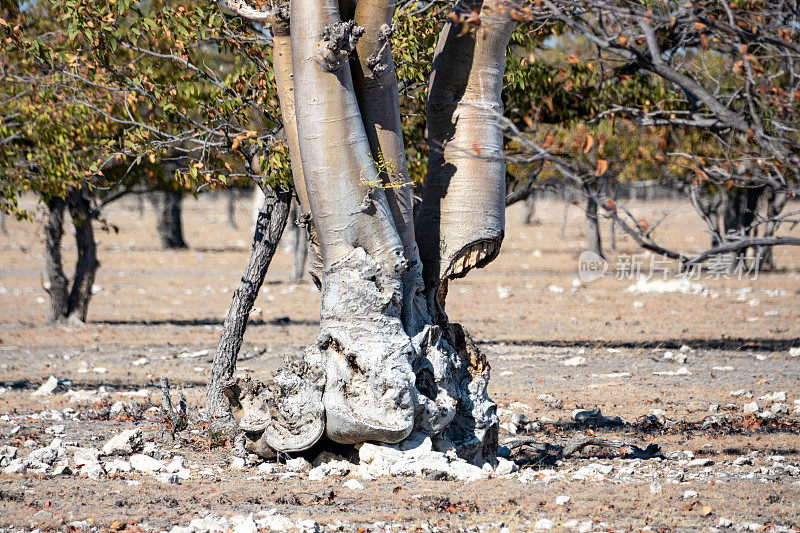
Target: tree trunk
point(269, 227)
point(776, 201)
point(65, 303)
point(298, 244)
point(565, 212)
point(386, 361)
point(593, 241)
point(80, 209)
point(169, 225)
point(59, 285)
point(530, 210)
point(231, 211)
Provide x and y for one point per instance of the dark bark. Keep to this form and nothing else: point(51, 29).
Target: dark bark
point(59, 285)
point(593, 240)
point(269, 228)
point(776, 201)
point(169, 225)
point(80, 209)
point(66, 303)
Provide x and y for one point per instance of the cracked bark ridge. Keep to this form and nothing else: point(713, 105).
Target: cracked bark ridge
point(453, 405)
point(379, 61)
point(286, 416)
point(369, 393)
point(339, 39)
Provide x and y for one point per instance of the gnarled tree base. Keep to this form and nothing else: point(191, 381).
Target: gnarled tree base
point(367, 380)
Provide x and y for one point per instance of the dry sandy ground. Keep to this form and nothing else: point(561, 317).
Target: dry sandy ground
point(529, 318)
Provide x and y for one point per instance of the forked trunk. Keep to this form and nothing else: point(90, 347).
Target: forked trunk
point(386, 361)
point(70, 303)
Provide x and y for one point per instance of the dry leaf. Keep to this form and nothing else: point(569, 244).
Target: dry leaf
point(602, 167)
point(589, 143)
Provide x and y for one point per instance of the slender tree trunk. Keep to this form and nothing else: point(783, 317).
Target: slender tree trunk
point(169, 223)
point(3, 227)
point(565, 212)
point(80, 209)
point(593, 241)
point(269, 227)
point(530, 209)
point(231, 204)
point(59, 287)
point(776, 201)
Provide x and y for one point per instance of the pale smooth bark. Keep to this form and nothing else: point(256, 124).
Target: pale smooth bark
point(366, 352)
point(461, 221)
point(383, 363)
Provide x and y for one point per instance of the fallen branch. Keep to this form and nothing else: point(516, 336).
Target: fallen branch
point(178, 419)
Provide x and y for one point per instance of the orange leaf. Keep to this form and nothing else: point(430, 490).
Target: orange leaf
point(611, 204)
point(548, 141)
point(704, 41)
point(602, 167)
point(643, 224)
point(573, 59)
point(589, 143)
point(623, 41)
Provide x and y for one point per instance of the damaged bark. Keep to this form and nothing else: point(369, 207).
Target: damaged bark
point(387, 361)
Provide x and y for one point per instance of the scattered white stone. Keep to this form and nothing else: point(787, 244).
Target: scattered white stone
point(779, 408)
point(556, 289)
point(575, 361)
point(682, 371)
point(689, 494)
point(99, 370)
point(244, 524)
point(724, 522)
point(125, 443)
point(592, 471)
point(82, 456)
point(210, 524)
point(145, 463)
point(505, 467)
point(141, 361)
point(298, 464)
point(47, 388)
point(353, 484)
point(194, 355)
point(177, 463)
point(503, 292)
point(58, 429)
point(116, 466)
point(655, 488)
point(794, 352)
point(644, 286)
point(703, 461)
point(562, 500)
point(237, 463)
point(307, 526)
point(15, 466)
point(93, 470)
point(168, 479)
point(266, 468)
point(544, 524)
point(750, 407)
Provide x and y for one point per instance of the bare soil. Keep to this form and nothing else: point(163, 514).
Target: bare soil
point(528, 316)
